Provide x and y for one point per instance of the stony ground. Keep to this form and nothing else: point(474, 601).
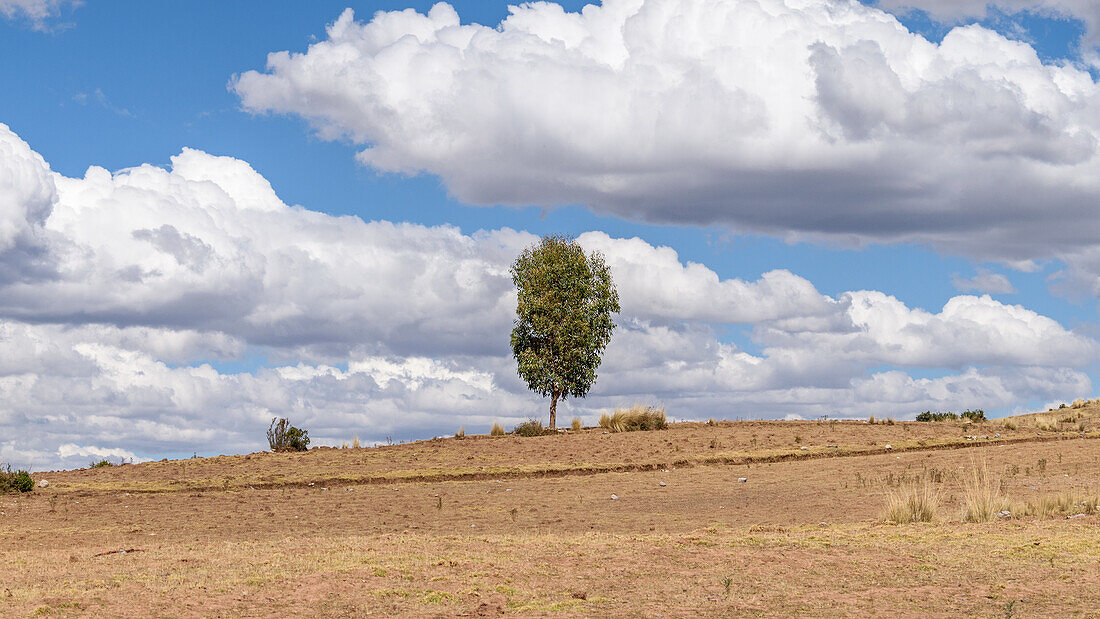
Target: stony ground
point(577, 524)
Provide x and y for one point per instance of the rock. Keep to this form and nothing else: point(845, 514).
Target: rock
point(661, 484)
point(42, 483)
point(889, 447)
point(998, 435)
point(1075, 516)
point(804, 448)
point(742, 480)
point(614, 497)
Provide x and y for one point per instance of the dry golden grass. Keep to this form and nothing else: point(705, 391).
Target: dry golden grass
point(355, 443)
point(983, 495)
point(912, 502)
point(638, 417)
point(577, 424)
point(497, 430)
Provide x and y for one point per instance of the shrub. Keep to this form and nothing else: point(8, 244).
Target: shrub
point(282, 436)
point(1011, 425)
point(531, 427)
point(578, 425)
point(498, 430)
point(17, 481)
point(975, 415)
point(1078, 404)
point(461, 433)
point(636, 418)
point(98, 464)
point(912, 503)
point(930, 416)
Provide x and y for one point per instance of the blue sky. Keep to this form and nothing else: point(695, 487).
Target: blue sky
point(121, 84)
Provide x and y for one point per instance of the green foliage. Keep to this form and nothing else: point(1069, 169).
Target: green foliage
point(282, 436)
point(15, 481)
point(975, 415)
point(563, 317)
point(98, 464)
point(531, 427)
point(930, 416)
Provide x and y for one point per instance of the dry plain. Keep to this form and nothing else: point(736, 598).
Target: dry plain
point(577, 524)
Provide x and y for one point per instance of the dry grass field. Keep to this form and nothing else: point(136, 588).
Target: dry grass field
point(585, 523)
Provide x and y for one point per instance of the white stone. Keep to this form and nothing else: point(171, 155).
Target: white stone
point(742, 479)
point(42, 483)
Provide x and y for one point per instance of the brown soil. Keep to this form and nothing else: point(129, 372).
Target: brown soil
point(514, 525)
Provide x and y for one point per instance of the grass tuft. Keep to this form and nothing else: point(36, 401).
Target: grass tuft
point(912, 503)
point(498, 430)
point(577, 425)
point(983, 496)
point(635, 418)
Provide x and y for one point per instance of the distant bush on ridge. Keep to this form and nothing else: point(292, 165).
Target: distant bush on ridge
point(282, 436)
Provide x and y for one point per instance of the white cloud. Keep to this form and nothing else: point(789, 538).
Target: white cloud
point(804, 119)
point(983, 281)
point(37, 12)
point(144, 280)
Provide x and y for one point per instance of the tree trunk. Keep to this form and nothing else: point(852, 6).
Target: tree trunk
point(554, 409)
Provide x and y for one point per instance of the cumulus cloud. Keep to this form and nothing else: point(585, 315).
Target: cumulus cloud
point(983, 281)
point(148, 284)
point(810, 119)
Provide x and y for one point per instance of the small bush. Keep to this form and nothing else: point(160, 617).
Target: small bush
point(1078, 404)
point(976, 415)
point(15, 481)
point(498, 430)
point(531, 427)
point(577, 425)
point(282, 436)
point(636, 418)
point(98, 464)
point(1011, 425)
point(930, 416)
point(912, 503)
point(461, 433)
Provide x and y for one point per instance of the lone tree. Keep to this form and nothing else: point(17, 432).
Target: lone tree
point(563, 317)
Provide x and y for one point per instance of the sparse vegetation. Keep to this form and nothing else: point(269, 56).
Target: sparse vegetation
point(281, 436)
point(98, 464)
point(461, 433)
point(912, 502)
point(635, 418)
point(531, 427)
point(15, 481)
point(497, 430)
point(577, 425)
point(983, 496)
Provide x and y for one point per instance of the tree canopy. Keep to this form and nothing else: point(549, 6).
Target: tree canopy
point(563, 317)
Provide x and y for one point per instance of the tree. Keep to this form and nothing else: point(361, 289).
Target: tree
point(563, 317)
